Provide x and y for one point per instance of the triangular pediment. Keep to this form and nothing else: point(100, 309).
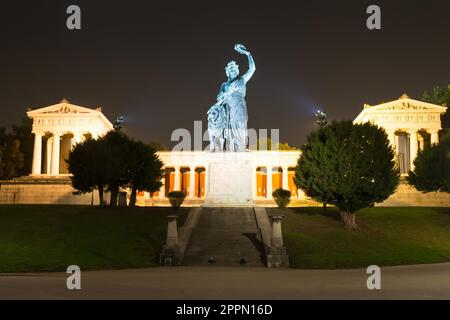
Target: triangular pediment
point(65, 108)
point(406, 104)
point(403, 105)
point(62, 108)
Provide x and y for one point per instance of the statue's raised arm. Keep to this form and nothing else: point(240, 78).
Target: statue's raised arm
point(251, 63)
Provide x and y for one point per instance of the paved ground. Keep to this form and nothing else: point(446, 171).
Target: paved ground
point(406, 282)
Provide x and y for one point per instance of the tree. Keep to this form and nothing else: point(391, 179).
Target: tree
point(347, 165)
point(86, 164)
point(117, 148)
point(158, 146)
point(440, 96)
point(114, 161)
point(432, 168)
point(23, 133)
point(145, 169)
point(12, 160)
point(266, 144)
point(11, 157)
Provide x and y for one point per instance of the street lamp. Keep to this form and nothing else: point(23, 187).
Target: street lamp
point(118, 124)
point(321, 118)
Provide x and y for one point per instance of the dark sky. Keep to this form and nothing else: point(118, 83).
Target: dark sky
point(160, 63)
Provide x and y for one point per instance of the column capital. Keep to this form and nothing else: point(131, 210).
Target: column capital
point(38, 133)
point(431, 131)
point(390, 130)
point(413, 131)
point(57, 133)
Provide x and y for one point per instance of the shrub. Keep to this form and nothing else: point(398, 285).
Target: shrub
point(176, 199)
point(282, 197)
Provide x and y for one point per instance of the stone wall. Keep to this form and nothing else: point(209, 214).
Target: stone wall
point(408, 196)
point(41, 191)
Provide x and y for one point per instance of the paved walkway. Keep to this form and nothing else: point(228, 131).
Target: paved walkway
point(405, 282)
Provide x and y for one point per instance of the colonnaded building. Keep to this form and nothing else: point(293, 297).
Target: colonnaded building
point(410, 125)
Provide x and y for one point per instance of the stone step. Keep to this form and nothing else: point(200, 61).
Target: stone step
point(227, 235)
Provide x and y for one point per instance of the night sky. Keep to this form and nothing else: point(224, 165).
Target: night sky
point(161, 63)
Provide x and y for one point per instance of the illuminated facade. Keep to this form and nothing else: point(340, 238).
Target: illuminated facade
point(187, 170)
point(57, 129)
point(410, 125)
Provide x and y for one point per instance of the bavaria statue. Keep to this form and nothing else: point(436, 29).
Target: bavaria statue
point(227, 119)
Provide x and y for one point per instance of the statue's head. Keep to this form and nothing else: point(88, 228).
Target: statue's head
point(232, 70)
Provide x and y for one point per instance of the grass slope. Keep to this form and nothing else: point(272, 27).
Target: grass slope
point(50, 238)
point(387, 236)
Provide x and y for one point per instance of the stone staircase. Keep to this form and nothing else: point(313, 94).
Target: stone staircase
point(227, 235)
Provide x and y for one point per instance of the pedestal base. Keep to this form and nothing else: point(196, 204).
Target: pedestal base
point(170, 256)
point(228, 179)
point(277, 258)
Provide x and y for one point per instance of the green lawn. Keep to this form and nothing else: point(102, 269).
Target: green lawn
point(387, 236)
point(50, 238)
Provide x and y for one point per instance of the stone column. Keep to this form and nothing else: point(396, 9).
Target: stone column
point(37, 154)
point(254, 183)
point(397, 144)
point(49, 155)
point(413, 147)
point(177, 184)
point(285, 173)
point(162, 189)
point(77, 138)
point(391, 137)
point(192, 182)
point(54, 167)
point(269, 183)
point(434, 136)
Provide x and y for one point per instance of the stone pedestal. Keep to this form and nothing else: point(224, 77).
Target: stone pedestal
point(228, 179)
point(277, 255)
point(171, 250)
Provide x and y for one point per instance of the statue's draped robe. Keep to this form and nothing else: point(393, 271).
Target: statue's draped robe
point(236, 134)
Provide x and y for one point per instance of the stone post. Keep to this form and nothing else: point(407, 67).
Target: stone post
point(414, 147)
point(277, 256)
point(277, 236)
point(171, 250)
point(54, 168)
point(37, 154)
